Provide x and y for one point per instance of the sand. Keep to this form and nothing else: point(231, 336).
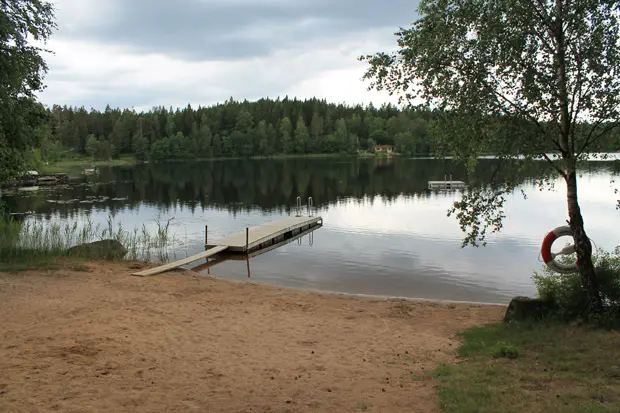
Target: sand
point(97, 339)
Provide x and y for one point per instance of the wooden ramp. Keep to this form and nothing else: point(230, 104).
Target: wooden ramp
point(172, 265)
point(252, 239)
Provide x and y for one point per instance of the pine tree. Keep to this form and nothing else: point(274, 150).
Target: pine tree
point(316, 133)
point(272, 137)
point(91, 145)
point(154, 130)
point(203, 141)
point(217, 146)
point(140, 145)
point(342, 136)
point(301, 136)
point(68, 135)
point(171, 128)
point(261, 136)
point(117, 137)
point(286, 140)
point(245, 122)
point(354, 125)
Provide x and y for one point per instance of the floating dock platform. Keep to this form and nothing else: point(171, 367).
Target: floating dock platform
point(446, 185)
point(251, 240)
point(224, 256)
point(262, 236)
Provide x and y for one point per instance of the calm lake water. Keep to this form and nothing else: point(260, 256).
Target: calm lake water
point(384, 232)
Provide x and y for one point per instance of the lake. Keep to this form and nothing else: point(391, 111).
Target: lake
point(384, 232)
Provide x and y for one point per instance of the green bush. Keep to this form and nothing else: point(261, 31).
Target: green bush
point(503, 350)
point(565, 291)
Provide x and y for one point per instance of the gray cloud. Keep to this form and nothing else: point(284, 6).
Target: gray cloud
point(224, 30)
point(142, 53)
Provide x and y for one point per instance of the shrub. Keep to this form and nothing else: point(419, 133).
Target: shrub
point(503, 350)
point(565, 291)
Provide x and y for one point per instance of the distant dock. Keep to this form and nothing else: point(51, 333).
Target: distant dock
point(251, 240)
point(446, 184)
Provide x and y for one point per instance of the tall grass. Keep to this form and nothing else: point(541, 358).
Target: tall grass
point(20, 240)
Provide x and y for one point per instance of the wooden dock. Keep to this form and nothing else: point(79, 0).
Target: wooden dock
point(265, 235)
point(248, 241)
point(446, 185)
point(227, 256)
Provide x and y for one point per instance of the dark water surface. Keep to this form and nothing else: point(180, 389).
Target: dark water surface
point(384, 232)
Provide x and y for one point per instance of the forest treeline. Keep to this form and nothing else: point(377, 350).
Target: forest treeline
point(242, 129)
point(233, 129)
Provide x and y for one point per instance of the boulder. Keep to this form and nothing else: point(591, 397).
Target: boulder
point(525, 308)
point(107, 249)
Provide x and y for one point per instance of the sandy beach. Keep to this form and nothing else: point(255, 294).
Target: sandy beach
point(94, 338)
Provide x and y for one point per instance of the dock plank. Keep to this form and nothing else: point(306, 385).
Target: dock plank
point(175, 264)
point(265, 232)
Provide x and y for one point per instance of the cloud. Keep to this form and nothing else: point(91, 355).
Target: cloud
point(215, 30)
point(143, 53)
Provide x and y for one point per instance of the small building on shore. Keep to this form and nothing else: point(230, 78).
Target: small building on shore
point(384, 148)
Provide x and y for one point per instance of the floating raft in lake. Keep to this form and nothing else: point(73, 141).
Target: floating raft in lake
point(250, 240)
point(446, 184)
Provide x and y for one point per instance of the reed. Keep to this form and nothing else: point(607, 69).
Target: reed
point(36, 240)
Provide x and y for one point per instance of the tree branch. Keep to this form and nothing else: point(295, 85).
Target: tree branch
point(596, 125)
point(578, 87)
point(589, 141)
point(527, 115)
point(546, 23)
point(554, 165)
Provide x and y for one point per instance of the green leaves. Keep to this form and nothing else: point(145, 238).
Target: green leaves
point(21, 75)
point(508, 78)
point(479, 211)
point(503, 58)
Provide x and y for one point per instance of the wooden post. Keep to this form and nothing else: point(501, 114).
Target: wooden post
point(206, 240)
point(247, 238)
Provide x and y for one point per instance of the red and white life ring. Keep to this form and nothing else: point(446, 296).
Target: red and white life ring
point(549, 257)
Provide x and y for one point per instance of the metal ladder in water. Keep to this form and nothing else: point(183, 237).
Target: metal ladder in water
point(310, 207)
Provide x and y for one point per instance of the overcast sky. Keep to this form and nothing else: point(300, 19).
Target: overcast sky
point(142, 53)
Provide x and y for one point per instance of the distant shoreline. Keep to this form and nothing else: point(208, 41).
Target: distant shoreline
point(69, 165)
point(128, 160)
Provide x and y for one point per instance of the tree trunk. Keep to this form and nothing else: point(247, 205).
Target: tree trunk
point(583, 247)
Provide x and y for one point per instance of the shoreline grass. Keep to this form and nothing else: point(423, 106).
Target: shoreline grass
point(66, 165)
point(264, 157)
point(35, 244)
point(533, 367)
point(71, 164)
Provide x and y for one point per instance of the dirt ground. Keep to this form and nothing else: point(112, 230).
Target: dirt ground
point(96, 339)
